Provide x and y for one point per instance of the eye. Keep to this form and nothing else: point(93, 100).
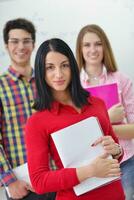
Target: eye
point(28, 41)
point(13, 41)
point(86, 45)
point(66, 65)
point(98, 44)
point(49, 67)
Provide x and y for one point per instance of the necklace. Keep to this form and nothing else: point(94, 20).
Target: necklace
point(94, 80)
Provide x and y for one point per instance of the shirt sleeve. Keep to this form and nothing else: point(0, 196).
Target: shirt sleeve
point(43, 179)
point(6, 174)
point(110, 129)
point(127, 95)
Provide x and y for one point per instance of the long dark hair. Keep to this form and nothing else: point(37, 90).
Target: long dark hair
point(44, 95)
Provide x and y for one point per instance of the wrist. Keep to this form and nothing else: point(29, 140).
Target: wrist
point(84, 172)
point(119, 152)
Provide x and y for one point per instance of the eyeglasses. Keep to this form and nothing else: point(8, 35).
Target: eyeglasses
point(15, 42)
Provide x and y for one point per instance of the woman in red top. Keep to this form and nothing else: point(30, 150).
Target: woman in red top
point(62, 102)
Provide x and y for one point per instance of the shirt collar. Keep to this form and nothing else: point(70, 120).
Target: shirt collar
point(84, 75)
point(56, 106)
point(16, 75)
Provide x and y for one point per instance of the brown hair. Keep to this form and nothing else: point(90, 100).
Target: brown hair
point(108, 60)
point(19, 23)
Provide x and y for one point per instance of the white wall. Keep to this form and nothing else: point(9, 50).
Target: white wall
point(64, 19)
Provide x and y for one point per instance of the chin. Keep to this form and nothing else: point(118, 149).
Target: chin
point(60, 88)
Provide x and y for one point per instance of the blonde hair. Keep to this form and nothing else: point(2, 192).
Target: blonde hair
point(108, 60)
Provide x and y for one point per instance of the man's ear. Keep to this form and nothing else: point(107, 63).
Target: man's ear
point(6, 47)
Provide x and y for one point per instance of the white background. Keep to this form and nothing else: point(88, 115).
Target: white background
point(64, 19)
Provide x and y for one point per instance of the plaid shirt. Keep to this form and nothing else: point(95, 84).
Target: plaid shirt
point(16, 100)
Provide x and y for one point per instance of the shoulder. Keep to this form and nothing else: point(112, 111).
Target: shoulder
point(119, 76)
point(121, 79)
point(39, 120)
point(4, 79)
point(4, 76)
point(96, 101)
point(3, 82)
point(38, 116)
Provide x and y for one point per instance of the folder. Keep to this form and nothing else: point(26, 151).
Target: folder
point(107, 92)
point(74, 146)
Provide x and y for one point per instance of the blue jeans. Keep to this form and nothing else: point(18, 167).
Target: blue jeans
point(127, 168)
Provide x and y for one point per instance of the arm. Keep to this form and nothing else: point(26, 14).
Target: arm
point(45, 180)
point(19, 189)
point(111, 141)
point(101, 167)
point(16, 188)
point(42, 177)
point(7, 175)
point(116, 113)
point(126, 131)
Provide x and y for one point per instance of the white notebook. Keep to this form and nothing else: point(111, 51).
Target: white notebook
point(73, 144)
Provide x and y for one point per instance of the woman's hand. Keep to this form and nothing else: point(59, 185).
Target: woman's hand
point(103, 167)
point(116, 113)
point(100, 167)
point(109, 145)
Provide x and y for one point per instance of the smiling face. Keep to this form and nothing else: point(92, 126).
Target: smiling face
point(57, 72)
point(20, 47)
point(92, 49)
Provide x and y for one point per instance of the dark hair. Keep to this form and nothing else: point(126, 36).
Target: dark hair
point(44, 94)
point(19, 23)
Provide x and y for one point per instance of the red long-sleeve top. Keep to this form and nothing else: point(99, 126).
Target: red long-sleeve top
point(40, 145)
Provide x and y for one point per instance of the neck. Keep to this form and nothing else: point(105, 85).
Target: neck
point(65, 98)
point(62, 96)
point(93, 74)
point(23, 70)
point(93, 71)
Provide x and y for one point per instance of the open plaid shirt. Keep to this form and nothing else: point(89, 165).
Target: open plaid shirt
point(16, 100)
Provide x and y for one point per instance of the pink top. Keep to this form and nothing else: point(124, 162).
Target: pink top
point(126, 96)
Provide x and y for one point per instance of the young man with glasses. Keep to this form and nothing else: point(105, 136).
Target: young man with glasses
point(17, 92)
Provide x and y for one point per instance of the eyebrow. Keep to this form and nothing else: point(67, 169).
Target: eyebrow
point(61, 63)
point(12, 38)
point(65, 61)
point(89, 42)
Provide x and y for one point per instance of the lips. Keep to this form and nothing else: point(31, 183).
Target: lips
point(60, 82)
point(21, 55)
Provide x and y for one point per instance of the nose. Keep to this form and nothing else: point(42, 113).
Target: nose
point(21, 44)
point(93, 48)
point(59, 73)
